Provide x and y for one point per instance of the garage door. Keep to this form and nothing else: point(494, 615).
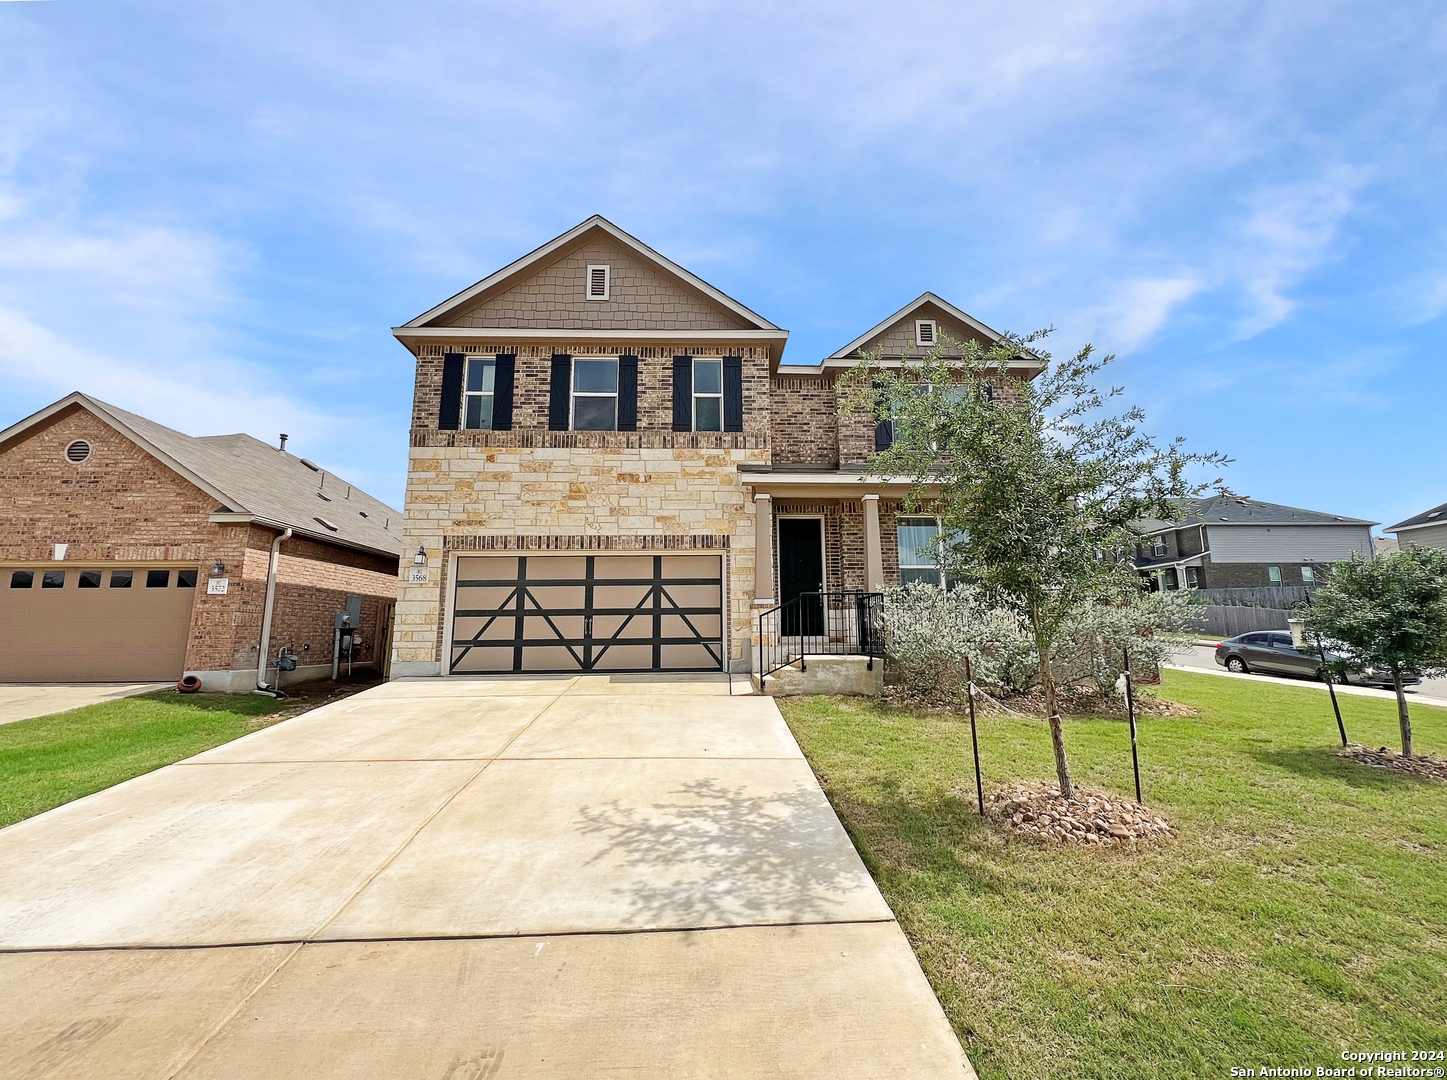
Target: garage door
point(94, 624)
point(545, 613)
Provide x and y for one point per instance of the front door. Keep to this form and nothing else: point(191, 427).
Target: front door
point(801, 572)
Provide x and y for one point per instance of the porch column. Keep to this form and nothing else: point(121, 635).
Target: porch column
point(763, 549)
point(873, 549)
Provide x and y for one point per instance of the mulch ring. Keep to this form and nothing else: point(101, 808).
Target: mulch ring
point(1386, 758)
point(1038, 812)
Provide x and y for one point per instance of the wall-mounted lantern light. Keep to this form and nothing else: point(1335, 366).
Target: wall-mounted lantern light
point(218, 568)
point(420, 557)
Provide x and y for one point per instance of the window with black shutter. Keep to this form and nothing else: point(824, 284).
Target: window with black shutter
point(733, 403)
point(683, 393)
point(504, 378)
point(560, 384)
point(450, 412)
point(627, 393)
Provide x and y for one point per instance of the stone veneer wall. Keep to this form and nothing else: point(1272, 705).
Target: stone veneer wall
point(569, 491)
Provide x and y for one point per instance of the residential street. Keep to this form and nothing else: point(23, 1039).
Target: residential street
point(510, 877)
point(1203, 658)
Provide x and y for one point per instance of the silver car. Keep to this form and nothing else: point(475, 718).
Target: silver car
point(1270, 652)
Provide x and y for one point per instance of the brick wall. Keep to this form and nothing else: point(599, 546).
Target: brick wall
point(641, 298)
point(1218, 575)
point(534, 372)
point(804, 421)
point(119, 504)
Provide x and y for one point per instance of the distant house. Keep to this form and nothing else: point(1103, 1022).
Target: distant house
point(1385, 545)
point(132, 552)
point(1427, 529)
point(1227, 542)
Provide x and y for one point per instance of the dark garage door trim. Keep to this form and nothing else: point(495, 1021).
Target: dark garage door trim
point(521, 605)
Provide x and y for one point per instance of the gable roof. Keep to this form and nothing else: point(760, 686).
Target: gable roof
point(541, 256)
point(249, 479)
point(1435, 516)
point(903, 313)
point(1236, 510)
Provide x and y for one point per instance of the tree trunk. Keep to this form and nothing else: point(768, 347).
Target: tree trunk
point(1404, 719)
point(1057, 730)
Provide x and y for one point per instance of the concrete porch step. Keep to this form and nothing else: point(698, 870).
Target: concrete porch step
point(825, 674)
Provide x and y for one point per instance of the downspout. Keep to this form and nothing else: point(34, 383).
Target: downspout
point(261, 687)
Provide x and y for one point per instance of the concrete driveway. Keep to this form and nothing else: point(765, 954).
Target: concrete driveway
point(485, 878)
point(22, 701)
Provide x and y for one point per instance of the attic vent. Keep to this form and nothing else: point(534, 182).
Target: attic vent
point(324, 498)
point(363, 513)
point(599, 282)
point(325, 524)
point(924, 333)
point(310, 465)
point(77, 451)
point(1434, 514)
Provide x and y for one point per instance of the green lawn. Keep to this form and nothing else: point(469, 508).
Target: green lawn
point(53, 759)
point(1302, 912)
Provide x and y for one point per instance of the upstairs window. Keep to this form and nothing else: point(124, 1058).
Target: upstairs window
point(600, 282)
point(1308, 576)
point(595, 394)
point(1273, 573)
point(477, 392)
point(925, 333)
point(707, 395)
point(1158, 547)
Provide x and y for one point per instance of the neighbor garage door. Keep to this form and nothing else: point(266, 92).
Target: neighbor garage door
point(94, 624)
point(546, 613)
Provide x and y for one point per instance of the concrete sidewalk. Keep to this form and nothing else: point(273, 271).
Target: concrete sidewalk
point(25, 701)
point(466, 878)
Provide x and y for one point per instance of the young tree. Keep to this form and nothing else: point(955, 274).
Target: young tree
point(1388, 612)
point(1036, 483)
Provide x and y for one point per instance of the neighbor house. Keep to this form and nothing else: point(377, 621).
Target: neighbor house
point(1427, 529)
point(610, 470)
point(1229, 542)
point(132, 552)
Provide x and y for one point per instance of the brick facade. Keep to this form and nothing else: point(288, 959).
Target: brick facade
point(121, 506)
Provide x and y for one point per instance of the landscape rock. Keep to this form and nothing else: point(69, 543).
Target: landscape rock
point(1037, 811)
point(1384, 757)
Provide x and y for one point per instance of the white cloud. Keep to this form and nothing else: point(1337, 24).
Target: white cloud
point(1137, 311)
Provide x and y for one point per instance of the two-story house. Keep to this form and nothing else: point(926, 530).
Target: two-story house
point(611, 471)
point(1229, 542)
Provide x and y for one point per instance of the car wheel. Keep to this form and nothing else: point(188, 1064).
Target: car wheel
point(1236, 664)
point(1344, 679)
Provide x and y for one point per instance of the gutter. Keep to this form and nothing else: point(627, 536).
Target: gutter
point(261, 686)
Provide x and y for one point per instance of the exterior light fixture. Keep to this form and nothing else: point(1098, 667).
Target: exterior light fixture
point(218, 568)
point(420, 557)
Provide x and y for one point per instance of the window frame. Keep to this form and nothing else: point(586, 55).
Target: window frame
point(943, 577)
point(1308, 575)
point(1159, 549)
point(695, 395)
point(607, 282)
point(486, 360)
point(16, 575)
point(574, 394)
point(1273, 575)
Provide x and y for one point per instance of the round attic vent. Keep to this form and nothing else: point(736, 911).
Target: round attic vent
point(77, 451)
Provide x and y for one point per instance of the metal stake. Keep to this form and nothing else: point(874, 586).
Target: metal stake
point(1331, 689)
point(1135, 761)
point(974, 739)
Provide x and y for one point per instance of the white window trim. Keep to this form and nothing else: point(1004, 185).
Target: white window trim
point(693, 377)
point(478, 394)
point(574, 393)
point(588, 293)
point(1277, 579)
point(939, 531)
point(934, 335)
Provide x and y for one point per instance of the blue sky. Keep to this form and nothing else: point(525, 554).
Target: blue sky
point(213, 213)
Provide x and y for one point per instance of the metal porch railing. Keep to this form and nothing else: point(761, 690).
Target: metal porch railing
point(846, 623)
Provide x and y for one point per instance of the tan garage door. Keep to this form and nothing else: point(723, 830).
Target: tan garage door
point(94, 623)
point(554, 613)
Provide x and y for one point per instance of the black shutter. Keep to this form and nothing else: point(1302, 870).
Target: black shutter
point(883, 432)
point(733, 388)
point(627, 393)
point(560, 387)
point(683, 393)
point(502, 383)
point(451, 411)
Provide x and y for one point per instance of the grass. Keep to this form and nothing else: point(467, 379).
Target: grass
point(1302, 912)
point(50, 760)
